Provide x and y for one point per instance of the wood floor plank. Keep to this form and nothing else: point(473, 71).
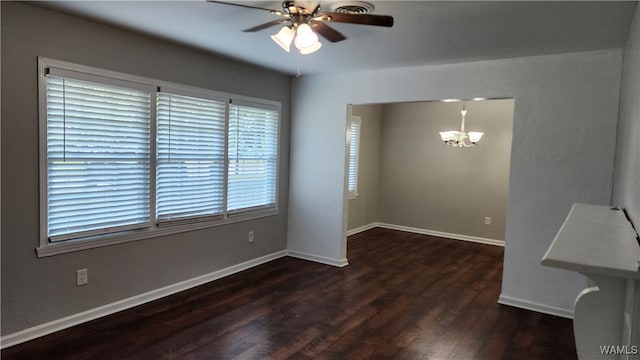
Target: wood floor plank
point(403, 296)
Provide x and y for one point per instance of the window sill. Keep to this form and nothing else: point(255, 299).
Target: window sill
point(63, 247)
point(353, 196)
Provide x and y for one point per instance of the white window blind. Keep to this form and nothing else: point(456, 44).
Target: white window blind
point(98, 164)
point(190, 164)
point(123, 156)
point(354, 153)
point(252, 157)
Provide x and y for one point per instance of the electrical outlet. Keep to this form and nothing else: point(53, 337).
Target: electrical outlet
point(251, 236)
point(487, 220)
point(82, 277)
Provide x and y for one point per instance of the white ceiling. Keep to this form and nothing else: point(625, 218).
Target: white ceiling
point(425, 32)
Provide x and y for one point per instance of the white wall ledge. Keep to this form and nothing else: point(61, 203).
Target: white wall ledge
point(595, 239)
point(600, 242)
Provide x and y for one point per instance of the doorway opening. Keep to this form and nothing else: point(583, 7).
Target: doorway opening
point(409, 179)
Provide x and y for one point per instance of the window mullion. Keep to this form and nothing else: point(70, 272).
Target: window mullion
point(43, 143)
point(153, 154)
point(225, 197)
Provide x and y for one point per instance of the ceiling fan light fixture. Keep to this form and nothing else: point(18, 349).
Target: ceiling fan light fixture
point(311, 49)
point(305, 37)
point(284, 38)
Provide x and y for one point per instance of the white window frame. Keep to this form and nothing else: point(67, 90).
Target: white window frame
point(208, 95)
point(91, 78)
point(48, 248)
point(257, 105)
point(353, 193)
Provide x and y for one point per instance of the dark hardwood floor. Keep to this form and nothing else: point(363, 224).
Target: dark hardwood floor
point(403, 296)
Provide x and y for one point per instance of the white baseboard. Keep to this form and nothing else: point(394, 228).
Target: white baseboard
point(475, 239)
point(362, 228)
point(534, 306)
point(79, 318)
point(319, 259)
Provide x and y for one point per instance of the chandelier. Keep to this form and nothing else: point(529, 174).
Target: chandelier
point(459, 138)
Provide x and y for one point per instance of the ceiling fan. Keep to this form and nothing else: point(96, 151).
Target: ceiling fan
point(301, 24)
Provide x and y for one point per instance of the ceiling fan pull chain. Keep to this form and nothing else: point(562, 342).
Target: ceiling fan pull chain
point(298, 64)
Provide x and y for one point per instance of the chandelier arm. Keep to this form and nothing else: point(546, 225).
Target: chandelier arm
point(459, 143)
point(463, 112)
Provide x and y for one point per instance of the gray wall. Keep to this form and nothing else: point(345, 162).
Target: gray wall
point(627, 174)
point(428, 185)
point(39, 290)
point(563, 147)
point(364, 209)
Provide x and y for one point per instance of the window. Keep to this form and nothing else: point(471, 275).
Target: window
point(253, 156)
point(190, 165)
point(98, 161)
point(354, 152)
point(125, 156)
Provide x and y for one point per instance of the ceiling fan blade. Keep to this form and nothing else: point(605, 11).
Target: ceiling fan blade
point(363, 19)
point(266, 25)
point(315, 10)
point(276, 12)
point(328, 32)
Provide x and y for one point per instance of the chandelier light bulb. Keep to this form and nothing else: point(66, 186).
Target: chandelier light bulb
point(474, 136)
point(447, 135)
